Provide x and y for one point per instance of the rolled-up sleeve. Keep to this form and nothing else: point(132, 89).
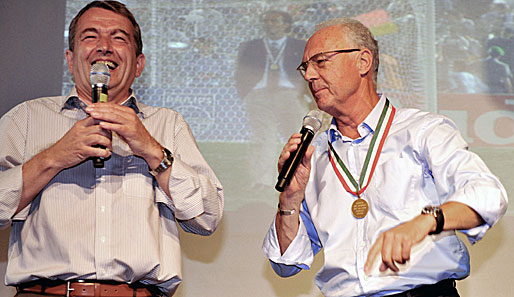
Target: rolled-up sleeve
point(462, 176)
point(196, 193)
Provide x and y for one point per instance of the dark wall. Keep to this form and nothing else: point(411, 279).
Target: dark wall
point(31, 50)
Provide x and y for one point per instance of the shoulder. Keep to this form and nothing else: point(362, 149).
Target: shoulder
point(41, 104)
point(424, 127)
point(296, 42)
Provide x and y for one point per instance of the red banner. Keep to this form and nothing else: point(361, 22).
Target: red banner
point(483, 119)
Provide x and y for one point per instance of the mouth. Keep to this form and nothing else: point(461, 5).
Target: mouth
point(109, 64)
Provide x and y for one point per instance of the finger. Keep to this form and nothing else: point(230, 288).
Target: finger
point(406, 247)
point(372, 255)
point(308, 155)
point(386, 252)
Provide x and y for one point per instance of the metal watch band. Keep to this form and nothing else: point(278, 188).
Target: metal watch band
point(437, 213)
point(166, 162)
point(285, 212)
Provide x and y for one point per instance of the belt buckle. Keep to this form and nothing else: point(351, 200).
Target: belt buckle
point(68, 288)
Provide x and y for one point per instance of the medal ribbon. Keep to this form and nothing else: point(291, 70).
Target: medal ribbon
point(375, 147)
point(274, 60)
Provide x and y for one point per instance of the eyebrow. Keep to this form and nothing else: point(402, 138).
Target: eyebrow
point(114, 32)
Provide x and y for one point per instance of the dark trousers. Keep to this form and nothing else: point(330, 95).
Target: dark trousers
point(444, 288)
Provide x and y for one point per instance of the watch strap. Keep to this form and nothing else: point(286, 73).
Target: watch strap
point(437, 213)
point(285, 212)
point(166, 163)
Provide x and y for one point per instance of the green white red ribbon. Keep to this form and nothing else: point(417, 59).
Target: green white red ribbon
point(370, 163)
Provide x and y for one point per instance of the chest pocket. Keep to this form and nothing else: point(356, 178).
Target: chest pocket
point(137, 181)
point(135, 178)
point(393, 184)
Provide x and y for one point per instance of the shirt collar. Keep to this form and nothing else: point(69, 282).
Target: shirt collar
point(72, 101)
point(365, 128)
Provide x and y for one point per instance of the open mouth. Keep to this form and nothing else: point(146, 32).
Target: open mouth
point(109, 64)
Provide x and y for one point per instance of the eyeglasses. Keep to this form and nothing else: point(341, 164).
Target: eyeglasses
point(318, 60)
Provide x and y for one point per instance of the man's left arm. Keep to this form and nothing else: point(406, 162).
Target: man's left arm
point(472, 199)
point(189, 187)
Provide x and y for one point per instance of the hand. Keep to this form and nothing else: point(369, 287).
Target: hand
point(394, 246)
point(77, 144)
point(125, 122)
point(296, 188)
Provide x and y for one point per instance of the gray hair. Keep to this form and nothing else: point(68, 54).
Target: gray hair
point(358, 34)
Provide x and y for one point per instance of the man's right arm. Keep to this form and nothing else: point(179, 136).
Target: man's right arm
point(292, 197)
point(73, 148)
point(18, 190)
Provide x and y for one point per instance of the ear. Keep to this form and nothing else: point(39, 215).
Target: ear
point(140, 64)
point(69, 60)
point(365, 62)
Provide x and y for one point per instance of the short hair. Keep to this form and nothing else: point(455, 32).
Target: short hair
point(113, 6)
point(360, 35)
point(286, 17)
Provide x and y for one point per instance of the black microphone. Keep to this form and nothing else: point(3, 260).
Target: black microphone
point(99, 77)
point(311, 124)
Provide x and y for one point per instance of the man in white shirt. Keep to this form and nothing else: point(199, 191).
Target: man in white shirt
point(382, 191)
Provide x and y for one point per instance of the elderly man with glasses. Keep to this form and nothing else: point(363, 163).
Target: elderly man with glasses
point(383, 190)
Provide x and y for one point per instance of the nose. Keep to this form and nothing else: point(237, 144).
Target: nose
point(310, 73)
point(104, 45)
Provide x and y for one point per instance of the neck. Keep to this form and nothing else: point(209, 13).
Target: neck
point(354, 112)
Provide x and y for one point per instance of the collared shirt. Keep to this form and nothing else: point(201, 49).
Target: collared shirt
point(112, 223)
point(424, 162)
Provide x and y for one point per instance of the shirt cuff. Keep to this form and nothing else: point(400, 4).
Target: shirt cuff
point(299, 252)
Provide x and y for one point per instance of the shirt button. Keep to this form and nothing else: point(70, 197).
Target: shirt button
point(102, 208)
point(102, 239)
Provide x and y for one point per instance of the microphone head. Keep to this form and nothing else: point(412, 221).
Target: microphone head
point(99, 74)
point(312, 120)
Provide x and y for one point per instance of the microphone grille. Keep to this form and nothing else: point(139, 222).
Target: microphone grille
point(99, 74)
point(312, 120)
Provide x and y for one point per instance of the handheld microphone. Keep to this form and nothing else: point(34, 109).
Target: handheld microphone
point(311, 124)
point(99, 77)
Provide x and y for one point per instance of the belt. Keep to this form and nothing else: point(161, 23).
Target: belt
point(88, 288)
point(444, 288)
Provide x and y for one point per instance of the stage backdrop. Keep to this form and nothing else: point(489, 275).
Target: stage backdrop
point(433, 57)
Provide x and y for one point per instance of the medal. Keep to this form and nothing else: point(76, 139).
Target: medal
point(360, 206)
point(273, 67)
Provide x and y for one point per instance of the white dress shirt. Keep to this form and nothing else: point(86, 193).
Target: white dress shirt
point(424, 162)
point(113, 223)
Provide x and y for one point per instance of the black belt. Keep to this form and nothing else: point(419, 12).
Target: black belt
point(444, 288)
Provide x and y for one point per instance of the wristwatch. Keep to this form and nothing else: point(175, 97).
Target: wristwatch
point(437, 212)
point(166, 162)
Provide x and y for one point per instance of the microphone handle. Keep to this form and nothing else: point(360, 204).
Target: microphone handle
point(294, 160)
point(99, 95)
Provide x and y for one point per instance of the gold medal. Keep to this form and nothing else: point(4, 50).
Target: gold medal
point(360, 208)
point(273, 67)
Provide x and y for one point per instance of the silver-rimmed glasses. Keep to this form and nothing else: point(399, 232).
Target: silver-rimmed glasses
point(318, 60)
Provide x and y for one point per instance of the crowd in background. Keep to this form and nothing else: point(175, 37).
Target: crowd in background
point(475, 46)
